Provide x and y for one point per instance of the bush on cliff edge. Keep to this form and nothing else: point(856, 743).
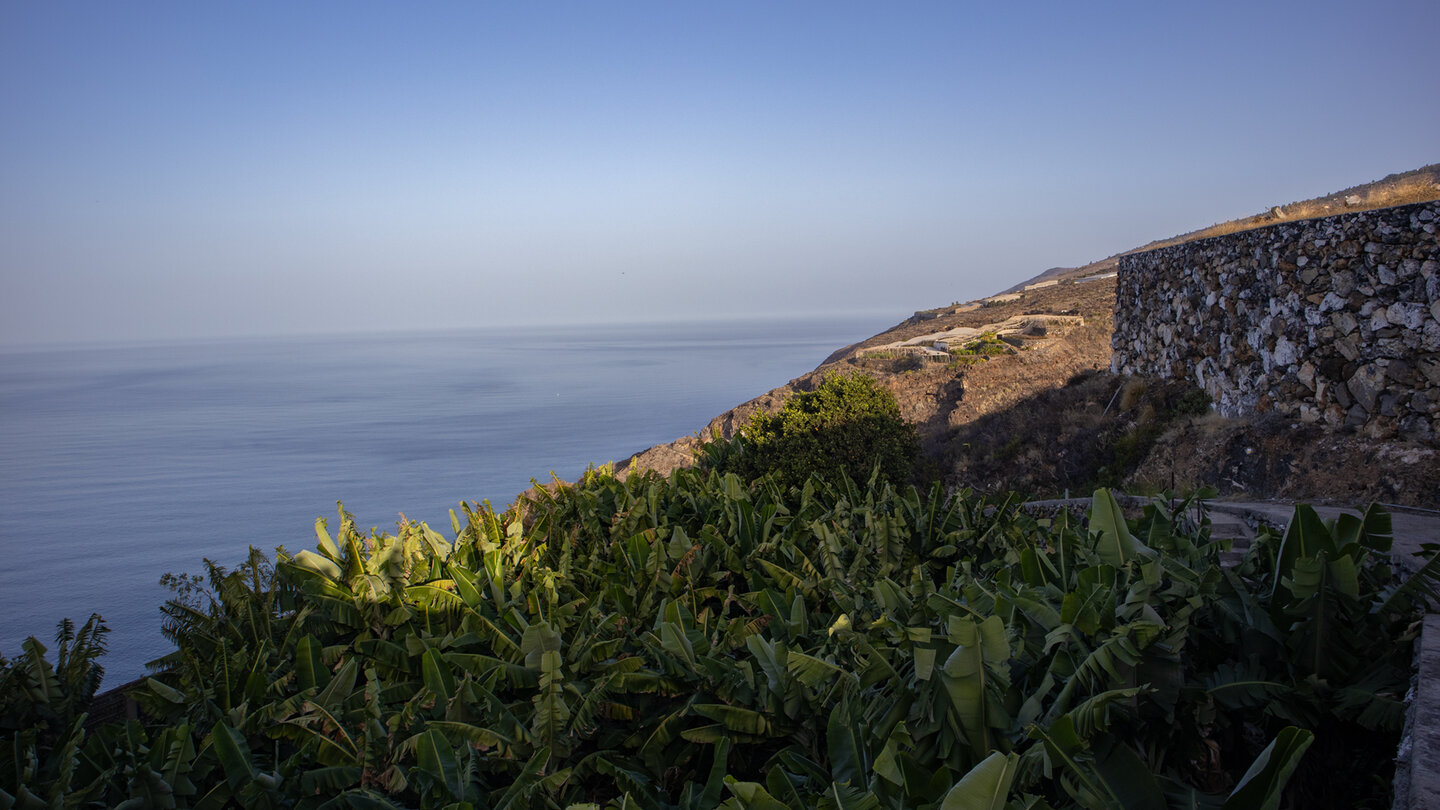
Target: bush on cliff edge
point(849, 424)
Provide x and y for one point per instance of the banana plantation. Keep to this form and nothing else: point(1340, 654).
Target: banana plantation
point(694, 641)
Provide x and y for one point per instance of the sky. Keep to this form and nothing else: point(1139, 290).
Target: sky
point(183, 170)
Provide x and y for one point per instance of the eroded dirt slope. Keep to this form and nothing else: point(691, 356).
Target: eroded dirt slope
point(938, 396)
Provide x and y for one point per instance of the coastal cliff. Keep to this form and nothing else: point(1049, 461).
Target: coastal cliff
point(962, 378)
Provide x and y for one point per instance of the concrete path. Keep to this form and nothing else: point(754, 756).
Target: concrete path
point(1412, 527)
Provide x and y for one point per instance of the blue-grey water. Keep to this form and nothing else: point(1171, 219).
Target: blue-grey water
point(118, 464)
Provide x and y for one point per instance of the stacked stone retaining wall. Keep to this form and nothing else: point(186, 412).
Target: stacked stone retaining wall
point(1333, 320)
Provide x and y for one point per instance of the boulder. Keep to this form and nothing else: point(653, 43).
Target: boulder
point(1366, 384)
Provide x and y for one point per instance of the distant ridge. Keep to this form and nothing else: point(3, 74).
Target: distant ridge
point(1052, 273)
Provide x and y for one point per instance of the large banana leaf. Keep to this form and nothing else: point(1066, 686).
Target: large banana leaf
point(1108, 775)
point(969, 680)
point(1260, 787)
point(751, 796)
point(985, 787)
point(1113, 540)
point(1306, 536)
point(436, 758)
point(849, 760)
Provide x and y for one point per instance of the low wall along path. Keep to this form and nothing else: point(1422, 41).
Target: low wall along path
point(1333, 320)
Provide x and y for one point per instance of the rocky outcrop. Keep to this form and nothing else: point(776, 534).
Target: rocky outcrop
point(1334, 321)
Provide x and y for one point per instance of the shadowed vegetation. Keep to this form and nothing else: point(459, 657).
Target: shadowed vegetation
point(1093, 432)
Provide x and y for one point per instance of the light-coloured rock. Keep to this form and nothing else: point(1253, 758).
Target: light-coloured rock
point(1285, 353)
point(1032, 325)
point(1407, 314)
point(1430, 337)
point(1366, 384)
point(1306, 375)
point(1379, 319)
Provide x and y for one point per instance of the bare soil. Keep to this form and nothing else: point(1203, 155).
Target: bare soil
point(940, 396)
point(1276, 459)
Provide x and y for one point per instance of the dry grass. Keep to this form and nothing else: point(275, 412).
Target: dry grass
point(1131, 393)
point(1404, 188)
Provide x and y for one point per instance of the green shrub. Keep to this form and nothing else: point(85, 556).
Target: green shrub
point(987, 345)
point(1194, 402)
point(848, 425)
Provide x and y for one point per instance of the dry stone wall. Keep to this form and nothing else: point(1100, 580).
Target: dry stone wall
point(1333, 320)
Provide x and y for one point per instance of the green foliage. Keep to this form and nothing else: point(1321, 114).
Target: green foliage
point(895, 362)
point(42, 714)
point(848, 426)
point(977, 351)
point(1194, 402)
point(699, 642)
point(987, 345)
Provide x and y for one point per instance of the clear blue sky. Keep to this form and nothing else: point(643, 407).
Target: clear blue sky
point(197, 169)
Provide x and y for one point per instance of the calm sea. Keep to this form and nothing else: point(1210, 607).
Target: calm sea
point(119, 464)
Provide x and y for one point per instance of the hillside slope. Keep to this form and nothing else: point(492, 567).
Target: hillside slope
point(1024, 412)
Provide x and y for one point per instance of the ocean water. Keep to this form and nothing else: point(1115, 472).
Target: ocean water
point(119, 464)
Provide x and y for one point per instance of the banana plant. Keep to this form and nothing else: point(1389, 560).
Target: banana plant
point(699, 640)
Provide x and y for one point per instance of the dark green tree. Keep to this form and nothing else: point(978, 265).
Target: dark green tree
point(848, 425)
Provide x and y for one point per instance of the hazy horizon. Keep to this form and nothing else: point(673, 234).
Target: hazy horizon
point(516, 333)
point(175, 171)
